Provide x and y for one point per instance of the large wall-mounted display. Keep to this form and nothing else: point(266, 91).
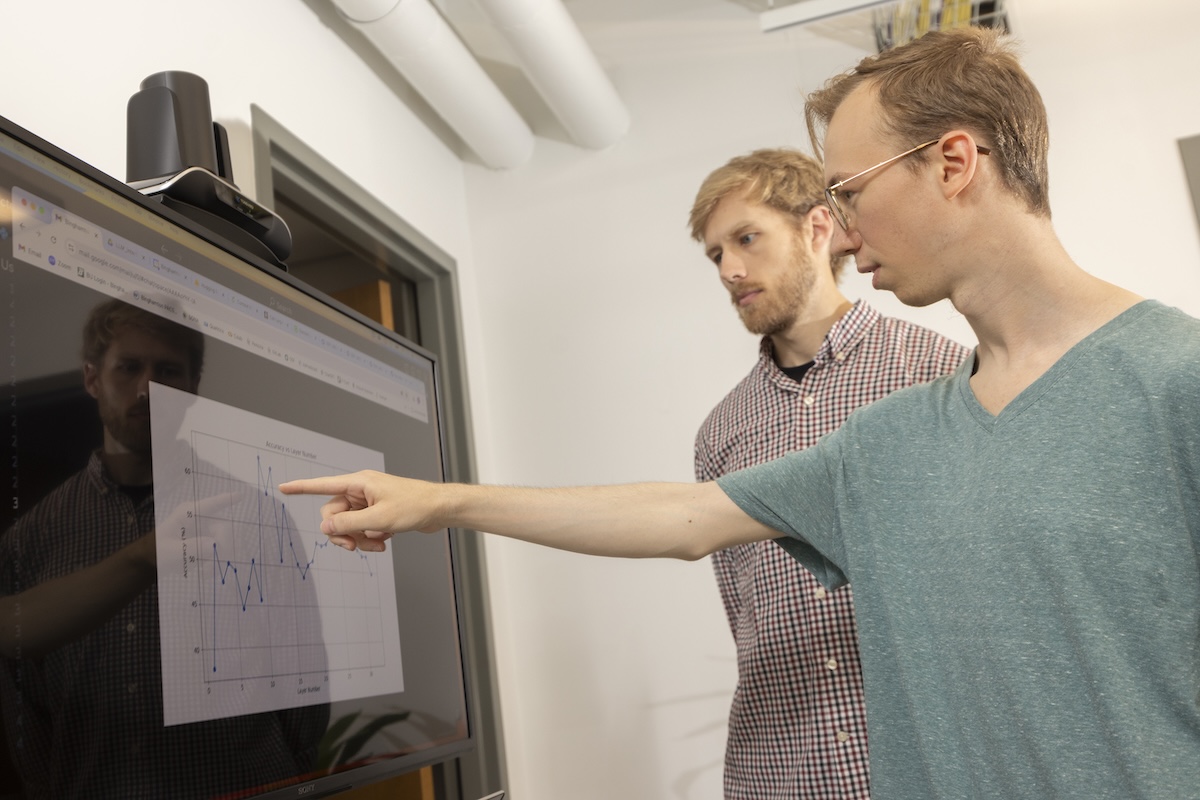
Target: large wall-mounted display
point(170, 624)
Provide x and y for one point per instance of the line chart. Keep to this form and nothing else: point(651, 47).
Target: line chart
point(257, 610)
point(265, 574)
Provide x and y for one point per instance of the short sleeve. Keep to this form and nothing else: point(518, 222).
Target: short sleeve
point(797, 496)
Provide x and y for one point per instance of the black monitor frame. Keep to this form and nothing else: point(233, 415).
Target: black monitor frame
point(325, 785)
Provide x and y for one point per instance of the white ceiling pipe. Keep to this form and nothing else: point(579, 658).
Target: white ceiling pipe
point(561, 66)
point(418, 42)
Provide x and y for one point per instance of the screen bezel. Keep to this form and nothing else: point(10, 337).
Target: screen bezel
point(381, 770)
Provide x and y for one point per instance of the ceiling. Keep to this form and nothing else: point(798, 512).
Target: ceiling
point(606, 24)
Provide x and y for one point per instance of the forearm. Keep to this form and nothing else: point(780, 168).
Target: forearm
point(679, 520)
point(647, 520)
point(56, 612)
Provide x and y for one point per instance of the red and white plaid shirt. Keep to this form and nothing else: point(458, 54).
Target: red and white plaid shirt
point(797, 728)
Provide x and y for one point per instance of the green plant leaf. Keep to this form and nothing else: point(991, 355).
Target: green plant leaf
point(357, 741)
point(329, 746)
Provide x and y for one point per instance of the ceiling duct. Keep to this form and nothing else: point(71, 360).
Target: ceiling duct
point(417, 41)
point(562, 67)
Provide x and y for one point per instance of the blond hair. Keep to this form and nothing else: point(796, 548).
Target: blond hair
point(781, 178)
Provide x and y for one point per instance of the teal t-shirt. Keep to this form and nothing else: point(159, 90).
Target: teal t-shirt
point(1027, 584)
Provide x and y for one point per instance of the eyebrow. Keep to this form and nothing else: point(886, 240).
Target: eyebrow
point(836, 178)
point(733, 233)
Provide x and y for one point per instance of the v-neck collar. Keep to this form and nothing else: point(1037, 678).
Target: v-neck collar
point(1044, 382)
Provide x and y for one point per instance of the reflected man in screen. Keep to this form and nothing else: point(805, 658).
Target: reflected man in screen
point(80, 677)
point(797, 727)
point(1022, 536)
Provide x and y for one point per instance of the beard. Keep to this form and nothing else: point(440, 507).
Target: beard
point(780, 305)
point(129, 427)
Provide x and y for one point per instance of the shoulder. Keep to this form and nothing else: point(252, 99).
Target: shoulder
point(64, 499)
point(753, 390)
point(38, 532)
point(918, 335)
point(1151, 337)
point(922, 352)
point(1158, 346)
point(917, 406)
point(1152, 318)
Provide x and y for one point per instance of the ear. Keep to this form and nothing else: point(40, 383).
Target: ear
point(821, 226)
point(91, 379)
point(959, 160)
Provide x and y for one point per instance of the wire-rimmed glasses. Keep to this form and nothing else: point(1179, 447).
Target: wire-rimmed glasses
point(831, 191)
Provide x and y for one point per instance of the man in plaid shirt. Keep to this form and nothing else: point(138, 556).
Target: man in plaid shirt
point(797, 728)
point(80, 658)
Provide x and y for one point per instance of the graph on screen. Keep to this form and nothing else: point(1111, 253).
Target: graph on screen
point(257, 610)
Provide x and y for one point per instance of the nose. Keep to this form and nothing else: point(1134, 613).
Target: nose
point(733, 269)
point(845, 243)
point(143, 384)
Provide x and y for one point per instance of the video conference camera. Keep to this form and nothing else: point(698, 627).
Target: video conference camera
point(177, 154)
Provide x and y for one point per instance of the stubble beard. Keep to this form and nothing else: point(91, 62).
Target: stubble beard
point(132, 433)
point(779, 310)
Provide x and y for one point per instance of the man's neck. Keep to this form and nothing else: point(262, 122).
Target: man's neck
point(1028, 313)
point(800, 342)
point(128, 468)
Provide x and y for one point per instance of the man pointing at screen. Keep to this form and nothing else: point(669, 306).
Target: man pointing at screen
point(1022, 536)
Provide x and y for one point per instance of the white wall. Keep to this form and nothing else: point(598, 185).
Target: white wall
point(75, 64)
point(608, 339)
point(597, 337)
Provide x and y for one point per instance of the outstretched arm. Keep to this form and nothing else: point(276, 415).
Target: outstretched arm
point(58, 611)
point(676, 520)
point(49, 615)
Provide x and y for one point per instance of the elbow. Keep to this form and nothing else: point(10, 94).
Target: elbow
point(691, 550)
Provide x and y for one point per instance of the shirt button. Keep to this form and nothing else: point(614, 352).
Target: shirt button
point(821, 593)
point(132, 688)
point(130, 628)
point(843, 737)
point(832, 664)
point(809, 400)
point(839, 356)
point(132, 519)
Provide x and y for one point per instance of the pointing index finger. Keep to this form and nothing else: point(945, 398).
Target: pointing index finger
point(331, 485)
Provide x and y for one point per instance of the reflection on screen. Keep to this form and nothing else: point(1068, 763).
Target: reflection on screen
point(173, 626)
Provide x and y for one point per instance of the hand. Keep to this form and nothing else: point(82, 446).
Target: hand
point(366, 508)
point(188, 514)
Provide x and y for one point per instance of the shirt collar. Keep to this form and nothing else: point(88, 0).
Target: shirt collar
point(97, 474)
point(843, 338)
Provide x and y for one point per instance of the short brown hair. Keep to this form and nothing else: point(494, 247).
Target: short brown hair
point(966, 78)
point(781, 178)
point(109, 318)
